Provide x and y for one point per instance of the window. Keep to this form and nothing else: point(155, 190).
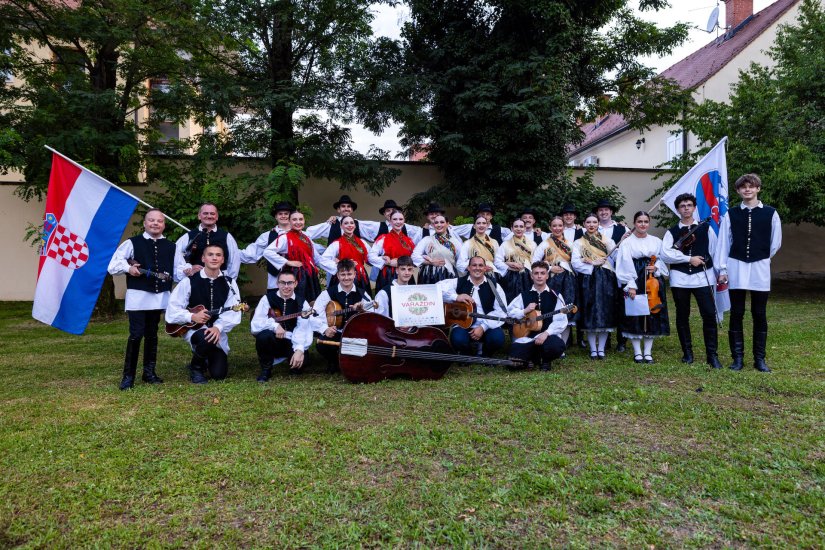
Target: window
point(5, 66)
point(675, 146)
point(168, 128)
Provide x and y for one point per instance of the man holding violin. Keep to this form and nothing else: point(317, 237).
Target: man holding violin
point(281, 326)
point(692, 274)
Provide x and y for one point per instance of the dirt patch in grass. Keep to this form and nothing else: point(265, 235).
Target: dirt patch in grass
point(638, 432)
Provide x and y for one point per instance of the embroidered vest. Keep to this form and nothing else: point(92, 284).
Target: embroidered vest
point(157, 256)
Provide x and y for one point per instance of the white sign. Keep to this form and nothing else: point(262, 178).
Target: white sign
point(636, 307)
point(417, 305)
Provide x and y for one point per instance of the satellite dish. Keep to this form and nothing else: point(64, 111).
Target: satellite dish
point(713, 20)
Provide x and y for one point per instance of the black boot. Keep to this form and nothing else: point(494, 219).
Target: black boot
point(130, 363)
point(266, 371)
point(150, 357)
point(621, 344)
point(686, 342)
point(760, 341)
point(545, 366)
point(711, 336)
point(580, 338)
point(196, 370)
point(737, 348)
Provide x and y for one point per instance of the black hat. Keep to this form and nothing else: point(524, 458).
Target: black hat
point(605, 203)
point(345, 200)
point(388, 204)
point(531, 211)
point(433, 208)
point(283, 206)
point(485, 207)
point(569, 208)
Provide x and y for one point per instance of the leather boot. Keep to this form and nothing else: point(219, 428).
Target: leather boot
point(737, 348)
point(621, 344)
point(266, 371)
point(712, 347)
point(196, 370)
point(130, 363)
point(686, 342)
point(760, 341)
point(150, 357)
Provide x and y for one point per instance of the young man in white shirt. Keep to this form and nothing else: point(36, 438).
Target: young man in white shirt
point(751, 234)
point(383, 297)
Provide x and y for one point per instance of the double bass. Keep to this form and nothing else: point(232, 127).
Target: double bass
point(373, 349)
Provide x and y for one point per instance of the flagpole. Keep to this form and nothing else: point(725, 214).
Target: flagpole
point(141, 201)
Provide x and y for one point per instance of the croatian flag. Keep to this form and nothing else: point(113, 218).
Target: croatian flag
point(84, 221)
point(708, 180)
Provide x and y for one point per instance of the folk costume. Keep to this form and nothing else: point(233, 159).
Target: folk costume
point(201, 290)
point(597, 290)
point(146, 299)
point(436, 247)
point(559, 252)
point(748, 239)
point(191, 245)
point(488, 300)
point(477, 245)
point(494, 231)
point(255, 251)
point(384, 299)
point(553, 347)
point(272, 350)
point(348, 248)
point(393, 244)
point(520, 251)
point(319, 323)
point(633, 257)
point(297, 246)
point(687, 280)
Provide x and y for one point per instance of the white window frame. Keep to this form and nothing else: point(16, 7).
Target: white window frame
point(675, 146)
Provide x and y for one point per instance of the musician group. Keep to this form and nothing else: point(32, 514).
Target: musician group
point(571, 277)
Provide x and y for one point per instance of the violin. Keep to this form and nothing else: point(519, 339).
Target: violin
point(335, 312)
point(688, 236)
point(373, 349)
point(654, 302)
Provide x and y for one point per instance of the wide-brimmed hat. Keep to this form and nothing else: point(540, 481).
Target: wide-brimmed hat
point(387, 205)
point(283, 206)
point(570, 208)
point(345, 200)
point(531, 211)
point(605, 203)
point(485, 207)
point(434, 208)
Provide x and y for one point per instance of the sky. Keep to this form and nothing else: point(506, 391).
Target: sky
point(388, 21)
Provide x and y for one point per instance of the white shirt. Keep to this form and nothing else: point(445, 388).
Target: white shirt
point(319, 322)
point(464, 256)
point(578, 263)
point(632, 248)
point(383, 300)
point(139, 300)
point(608, 231)
point(367, 229)
point(449, 294)
point(748, 275)
point(569, 234)
point(276, 253)
point(178, 313)
point(430, 247)
point(679, 279)
point(376, 254)
point(329, 259)
point(233, 263)
point(501, 255)
point(516, 310)
point(301, 337)
point(255, 251)
point(466, 230)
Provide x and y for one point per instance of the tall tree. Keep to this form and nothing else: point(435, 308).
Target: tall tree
point(774, 122)
point(495, 89)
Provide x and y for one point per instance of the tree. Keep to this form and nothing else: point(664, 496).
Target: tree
point(496, 89)
point(774, 123)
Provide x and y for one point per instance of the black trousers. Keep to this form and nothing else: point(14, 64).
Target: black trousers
point(269, 347)
point(144, 323)
point(330, 353)
point(704, 298)
point(551, 349)
point(759, 306)
point(208, 355)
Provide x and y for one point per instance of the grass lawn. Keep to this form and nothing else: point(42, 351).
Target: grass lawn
point(591, 454)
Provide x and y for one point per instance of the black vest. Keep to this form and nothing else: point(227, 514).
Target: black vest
point(293, 305)
point(388, 290)
point(209, 293)
point(616, 235)
point(546, 305)
point(751, 232)
point(157, 256)
point(700, 247)
point(335, 231)
point(271, 269)
point(198, 240)
point(537, 238)
point(383, 229)
point(346, 299)
point(485, 291)
point(495, 233)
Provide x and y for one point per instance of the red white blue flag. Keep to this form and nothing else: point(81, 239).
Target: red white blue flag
point(84, 221)
point(708, 180)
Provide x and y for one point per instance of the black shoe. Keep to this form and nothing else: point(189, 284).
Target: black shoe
point(760, 341)
point(713, 361)
point(266, 374)
point(711, 336)
point(687, 357)
point(649, 359)
point(130, 363)
point(545, 366)
point(737, 349)
point(594, 356)
point(127, 382)
point(638, 358)
point(196, 375)
point(620, 347)
point(150, 376)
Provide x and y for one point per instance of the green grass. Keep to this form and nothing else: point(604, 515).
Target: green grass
point(591, 454)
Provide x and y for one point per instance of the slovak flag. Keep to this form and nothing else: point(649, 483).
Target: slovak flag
point(84, 221)
point(708, 180)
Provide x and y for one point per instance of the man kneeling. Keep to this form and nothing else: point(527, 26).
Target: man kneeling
point(277, 340)
point(475, 289)
point(541, 346)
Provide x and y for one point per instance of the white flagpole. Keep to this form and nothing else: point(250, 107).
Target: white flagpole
point(144, 203)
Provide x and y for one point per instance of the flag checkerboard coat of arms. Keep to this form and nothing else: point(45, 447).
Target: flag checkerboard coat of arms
point(65, 247)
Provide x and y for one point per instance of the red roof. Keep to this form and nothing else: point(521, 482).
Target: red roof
point(696, 68)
